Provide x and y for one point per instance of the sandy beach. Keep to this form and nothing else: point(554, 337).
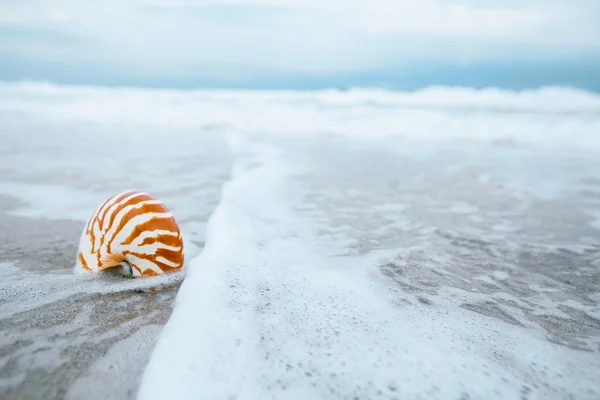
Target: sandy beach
point(388, 248)
point(73, 347)
point(57, 340)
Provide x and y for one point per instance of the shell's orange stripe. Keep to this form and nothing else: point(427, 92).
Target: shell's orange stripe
point(144, 209)
point(92, 222)
point(152, 224)
point(169, 240)
point(93, 235)
point(117, 207)
point(102, 215)
point(170, 255)
point(82, 261)
point(96, 214)
point(138, 198)
point(176, 257)
point(117, 199)
point(121, 206)
point(149, 272)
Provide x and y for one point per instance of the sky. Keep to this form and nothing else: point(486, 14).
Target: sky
point(302, 44)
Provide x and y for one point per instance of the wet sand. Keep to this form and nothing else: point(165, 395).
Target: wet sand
point(82, 346)
point(58, 338)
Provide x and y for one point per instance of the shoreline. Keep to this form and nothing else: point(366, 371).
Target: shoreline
point(78, 344)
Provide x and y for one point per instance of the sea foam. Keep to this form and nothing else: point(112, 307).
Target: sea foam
point(444, 112)
point(268, 311)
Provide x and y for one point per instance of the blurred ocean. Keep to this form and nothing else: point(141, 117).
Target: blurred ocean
point(442, 243)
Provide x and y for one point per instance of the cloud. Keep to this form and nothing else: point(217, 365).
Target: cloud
point(239, 39)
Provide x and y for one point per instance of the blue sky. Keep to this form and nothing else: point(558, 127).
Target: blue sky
point(302, 44)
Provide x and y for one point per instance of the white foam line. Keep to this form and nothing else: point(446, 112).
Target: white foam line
point(570, 116)
point(264, 313)
point(24, 290)
point(29, 291)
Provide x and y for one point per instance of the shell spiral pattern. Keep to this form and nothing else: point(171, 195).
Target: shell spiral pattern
point(134, 230)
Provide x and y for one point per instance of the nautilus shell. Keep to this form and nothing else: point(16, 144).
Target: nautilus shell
point(132, 230)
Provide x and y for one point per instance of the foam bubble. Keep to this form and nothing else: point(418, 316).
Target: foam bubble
point(22, 290)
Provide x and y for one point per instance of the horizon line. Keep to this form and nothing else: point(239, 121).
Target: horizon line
point(306, 88)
